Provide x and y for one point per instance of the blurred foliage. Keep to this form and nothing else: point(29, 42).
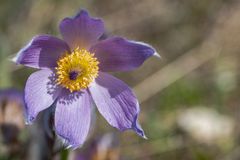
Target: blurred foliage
point(173, 27)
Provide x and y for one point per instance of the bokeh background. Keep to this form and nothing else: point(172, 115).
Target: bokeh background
point(190, 105)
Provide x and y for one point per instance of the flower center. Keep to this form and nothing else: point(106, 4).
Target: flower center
point(77, 70)
point(73, 75)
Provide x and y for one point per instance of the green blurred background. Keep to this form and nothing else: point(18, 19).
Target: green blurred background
point(189, 98)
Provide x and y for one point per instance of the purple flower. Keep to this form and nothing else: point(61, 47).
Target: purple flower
point(72, 75)
point(103, 147)
point(11, 105)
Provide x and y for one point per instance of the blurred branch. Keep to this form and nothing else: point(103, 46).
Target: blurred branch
point(193, 59)
point(177, 69)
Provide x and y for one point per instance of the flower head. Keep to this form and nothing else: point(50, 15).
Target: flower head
point(75, 71)
point(11, 121)
point(104, 147)
point(72, 74)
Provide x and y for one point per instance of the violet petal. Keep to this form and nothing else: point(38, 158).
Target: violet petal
point(40, 93)
point(116, 102)
point(42, 52)
point(82, 30)
point(119, 54)
point(73, 116)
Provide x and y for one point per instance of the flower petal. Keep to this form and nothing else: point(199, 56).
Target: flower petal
point(73, 116)
point(42, 52)
point(82, 30)
point(116, 102)
point(40, 93)
point(119, 54)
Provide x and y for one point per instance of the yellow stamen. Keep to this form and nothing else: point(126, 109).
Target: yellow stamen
point(77, 70)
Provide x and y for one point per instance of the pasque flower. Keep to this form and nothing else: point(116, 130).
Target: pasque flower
point(11, 112)
point(100, 148)
point(73, 76)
